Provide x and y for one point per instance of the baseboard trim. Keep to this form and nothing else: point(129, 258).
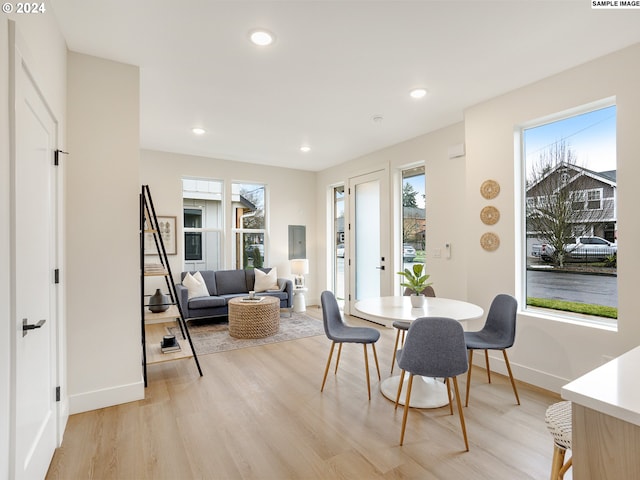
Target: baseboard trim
point(531, 376)
point(107, 397)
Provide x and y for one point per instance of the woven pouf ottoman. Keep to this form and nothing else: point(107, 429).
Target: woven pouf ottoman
point(254, 319)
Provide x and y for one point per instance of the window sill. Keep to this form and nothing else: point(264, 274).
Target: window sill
point(588, 321)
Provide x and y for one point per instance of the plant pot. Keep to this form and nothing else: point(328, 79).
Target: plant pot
point(158, 302)
point(417, 301)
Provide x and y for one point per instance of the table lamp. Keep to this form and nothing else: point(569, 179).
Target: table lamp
point(299, 267)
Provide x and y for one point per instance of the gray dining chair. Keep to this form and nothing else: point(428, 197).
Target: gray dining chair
point(434, 347)
point(498, 333)
point(402, 326)
point(339, 332)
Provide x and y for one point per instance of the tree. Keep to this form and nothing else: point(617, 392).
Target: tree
point(555, 211)
point(409, 195)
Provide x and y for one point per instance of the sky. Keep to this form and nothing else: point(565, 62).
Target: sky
point(592, 136)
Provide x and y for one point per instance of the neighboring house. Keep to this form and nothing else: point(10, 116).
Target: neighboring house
point(592, 196)
point(414, 226)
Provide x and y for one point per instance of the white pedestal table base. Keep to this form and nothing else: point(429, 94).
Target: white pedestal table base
point(425, 393)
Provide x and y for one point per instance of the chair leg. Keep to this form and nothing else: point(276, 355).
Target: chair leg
point(564, 468)
point(557, 461)
point(446, 380)
point(326, 370)
point(366, 368)
point(466, 402)
point(513, 382)
point(486, 361)
point(395, 349)
point(399, 388)
point(462, 425)
point(338, 359)
point(406, 408)
point(375, 356)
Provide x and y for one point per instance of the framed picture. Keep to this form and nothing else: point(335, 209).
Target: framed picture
point(167, 230)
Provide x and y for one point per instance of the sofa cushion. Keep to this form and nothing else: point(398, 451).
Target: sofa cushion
point(195, 285)
point(231, 281)
point(266, 281)
point(206, 302)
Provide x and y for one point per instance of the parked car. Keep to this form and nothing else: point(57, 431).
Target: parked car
point(408, 253)
point(581, 249)
point(340, 250)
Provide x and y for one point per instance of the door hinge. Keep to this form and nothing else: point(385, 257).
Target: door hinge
point(56, 156)
point(349, 297)
point(56, 276)
point(57, 394)
point(349, 191)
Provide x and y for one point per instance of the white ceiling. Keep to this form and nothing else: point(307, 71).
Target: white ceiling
point(334, 65)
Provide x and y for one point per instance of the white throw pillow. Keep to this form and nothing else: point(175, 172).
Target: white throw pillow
point(266, 281)
point(195, 285)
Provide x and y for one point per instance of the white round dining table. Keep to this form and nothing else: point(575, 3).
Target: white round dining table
point(429, 392)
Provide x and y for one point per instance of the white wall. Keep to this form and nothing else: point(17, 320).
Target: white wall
point(290, 193)
point(445, 193)
point(549, 352)
point(103, 275)
point(48, 53)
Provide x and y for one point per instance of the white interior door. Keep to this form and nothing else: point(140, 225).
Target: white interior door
point(369, 274)
point(34, 427)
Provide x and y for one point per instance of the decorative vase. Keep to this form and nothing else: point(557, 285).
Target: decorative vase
point(158, 302)
point(417, 300)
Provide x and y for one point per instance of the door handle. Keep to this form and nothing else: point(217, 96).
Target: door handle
point(381, 267)
point(30, 326)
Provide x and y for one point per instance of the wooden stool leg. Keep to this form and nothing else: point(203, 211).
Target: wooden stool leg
point(564, 468)
point(557, 461)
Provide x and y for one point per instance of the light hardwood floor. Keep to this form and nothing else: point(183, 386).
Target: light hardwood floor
point(257, 413)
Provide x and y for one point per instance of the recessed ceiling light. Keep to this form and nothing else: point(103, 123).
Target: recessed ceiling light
point(198, 131)
point(377, 118)
point(261, 37)
point(305, 148)
point(418, 92)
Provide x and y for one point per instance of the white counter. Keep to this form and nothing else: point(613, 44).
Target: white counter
point(612, 389)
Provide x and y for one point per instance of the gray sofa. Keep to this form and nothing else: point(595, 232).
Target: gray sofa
point(224, 285)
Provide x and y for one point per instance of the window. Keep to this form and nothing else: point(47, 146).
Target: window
point(338, 243)
point(249, 227)
point(413, 216)
point(570, 215)
point(202, 224)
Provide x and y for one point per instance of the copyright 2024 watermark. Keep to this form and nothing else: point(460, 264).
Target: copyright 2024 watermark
point(27, 8)
point(615, 4)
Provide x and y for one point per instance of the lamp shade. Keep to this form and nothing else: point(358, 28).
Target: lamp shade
point(299, 266)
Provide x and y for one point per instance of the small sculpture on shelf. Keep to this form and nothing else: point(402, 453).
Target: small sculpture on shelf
point(158, 302)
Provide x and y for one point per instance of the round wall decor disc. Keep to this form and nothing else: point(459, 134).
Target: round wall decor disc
point(489, 215)
point(490, 241)
point(489, 189)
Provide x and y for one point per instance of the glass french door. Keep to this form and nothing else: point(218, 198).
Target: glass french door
point(369, 273)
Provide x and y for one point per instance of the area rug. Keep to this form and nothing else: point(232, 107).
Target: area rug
point(213, 336)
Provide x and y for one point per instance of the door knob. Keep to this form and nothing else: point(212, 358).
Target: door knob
point(30, 326)
point(381, 267)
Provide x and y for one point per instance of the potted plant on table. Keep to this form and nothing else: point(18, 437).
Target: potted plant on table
point(417, 282)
